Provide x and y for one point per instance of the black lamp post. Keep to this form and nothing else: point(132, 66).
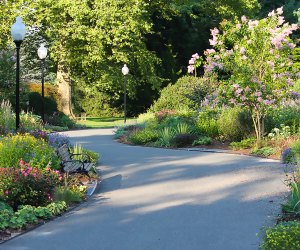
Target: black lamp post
point(42, 53)
point(125, 72)
point(18, 31)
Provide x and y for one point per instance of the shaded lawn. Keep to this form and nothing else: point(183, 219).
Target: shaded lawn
point(105, 122)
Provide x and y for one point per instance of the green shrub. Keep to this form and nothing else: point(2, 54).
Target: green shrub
point(50, 91)
point(207, 122)
point(203, 140)
point(233, 124)
point(60, 119)
point(144, 136)
point(35, 100)
point(287, 115)
point(265, 151)
point(27, 185)
point(183, 140)
point(284, 236)
point(187, 94)
point(146, 117)
point(34, 151)
point(243, 144)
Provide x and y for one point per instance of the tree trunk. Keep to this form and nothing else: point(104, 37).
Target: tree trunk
point(64, 89)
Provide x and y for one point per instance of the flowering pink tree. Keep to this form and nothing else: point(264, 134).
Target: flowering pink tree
point(252, 59)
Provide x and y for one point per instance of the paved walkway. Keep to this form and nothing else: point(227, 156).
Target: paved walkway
point(160, 199)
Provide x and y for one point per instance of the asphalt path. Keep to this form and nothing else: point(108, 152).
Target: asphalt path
point(161, 199)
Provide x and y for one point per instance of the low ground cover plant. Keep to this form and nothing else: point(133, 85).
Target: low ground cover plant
point(283, 236)
point(28, 214)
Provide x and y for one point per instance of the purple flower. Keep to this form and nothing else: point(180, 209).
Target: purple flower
point(290, 82)
point(238, 91)
point(232, 101)
point(259, 99)
point(247, 89)
point(243, 98)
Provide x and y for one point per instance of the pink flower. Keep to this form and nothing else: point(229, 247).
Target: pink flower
point(258, 93)
point(272, 13)
point(196, 56)
point(192, 61)
point(238, 26)
point(280, 20)
point(213, 41)
point(214, 32)
point(279, 10)
point(191, 69)
point(21, 162)
point(217, 57)
point(291, 45)
point(247, 89)
point(238, 91)
point(242, 50)
point(252, 24)
point(244, 19)
point(209, 51)
point(259, 99)
point(236, 86)
point(271, 64)
point(290, 82)
point(243, 98)
point(232, 101)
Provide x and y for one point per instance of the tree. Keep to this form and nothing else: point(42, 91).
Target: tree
point(253, 60)
point(91, 40)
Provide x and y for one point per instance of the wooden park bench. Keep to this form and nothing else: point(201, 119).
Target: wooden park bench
point(71, 165)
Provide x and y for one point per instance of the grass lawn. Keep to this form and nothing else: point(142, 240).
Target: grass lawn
point(105, 122)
